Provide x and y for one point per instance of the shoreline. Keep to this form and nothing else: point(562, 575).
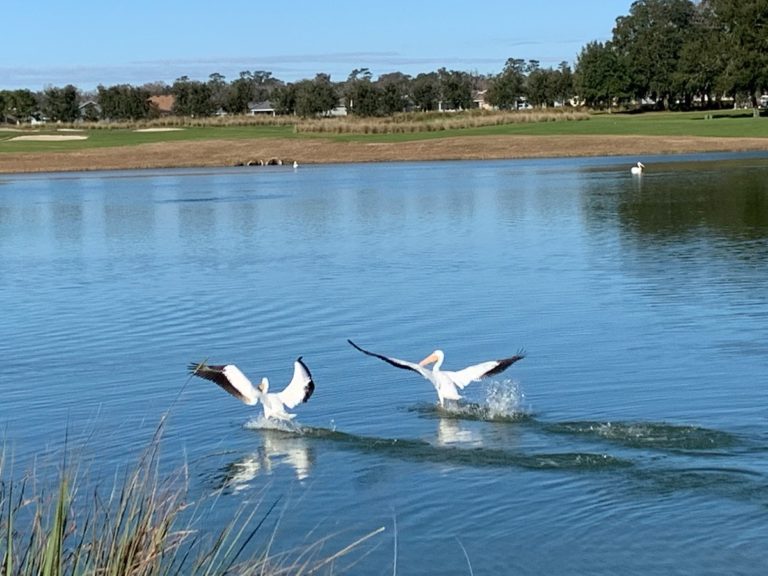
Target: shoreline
point(223, 153)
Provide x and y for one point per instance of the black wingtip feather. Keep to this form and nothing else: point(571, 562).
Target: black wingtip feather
point(194, 367)
point(505, 363)
point(308, 390)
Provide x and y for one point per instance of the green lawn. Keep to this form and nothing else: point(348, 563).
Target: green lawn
point(721, 124)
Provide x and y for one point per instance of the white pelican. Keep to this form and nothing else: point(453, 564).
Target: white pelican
point(447, 383)
point(229, 377)
point(637, 170)
point(295, 164)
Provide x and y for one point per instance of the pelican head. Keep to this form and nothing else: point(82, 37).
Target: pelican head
point(263, 387)
point(437, 357)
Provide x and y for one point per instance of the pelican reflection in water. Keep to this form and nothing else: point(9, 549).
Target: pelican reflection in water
point(278, 450)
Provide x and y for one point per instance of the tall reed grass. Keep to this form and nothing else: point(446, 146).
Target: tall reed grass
point(405, 123)
point(432, 121)
point(143, 526)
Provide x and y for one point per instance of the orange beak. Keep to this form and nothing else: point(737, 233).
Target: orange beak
point(428, 360)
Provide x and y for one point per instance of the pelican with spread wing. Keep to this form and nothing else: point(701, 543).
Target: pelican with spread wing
point(447, 383)
point(232, 380)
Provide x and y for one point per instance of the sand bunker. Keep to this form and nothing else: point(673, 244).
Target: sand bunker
point(48, 137)
point(158, 129)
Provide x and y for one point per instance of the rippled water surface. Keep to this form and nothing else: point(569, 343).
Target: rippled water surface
point(631, 439)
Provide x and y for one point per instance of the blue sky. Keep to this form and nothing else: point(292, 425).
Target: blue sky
point(86, 43)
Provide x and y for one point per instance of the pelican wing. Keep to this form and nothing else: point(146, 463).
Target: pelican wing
point(396, 362)
point(477, 371)
point(300, 387)
point(230, 378)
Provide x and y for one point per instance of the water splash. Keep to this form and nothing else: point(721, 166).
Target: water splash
point(504, 399)
point(504, 402)
point(262, 423)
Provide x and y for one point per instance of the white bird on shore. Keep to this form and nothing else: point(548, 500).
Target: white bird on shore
point(447, 383)
point(637, 170)
point(232, 380)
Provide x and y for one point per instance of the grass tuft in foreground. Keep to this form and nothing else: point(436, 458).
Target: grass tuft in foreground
point(138, 528)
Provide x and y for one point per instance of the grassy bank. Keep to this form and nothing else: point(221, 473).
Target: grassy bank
point(405, 128)
point(245, 141)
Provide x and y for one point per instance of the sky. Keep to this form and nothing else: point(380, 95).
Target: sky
point(88, 42)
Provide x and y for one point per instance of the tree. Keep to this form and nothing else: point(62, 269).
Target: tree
point(425, 91)
point(600, 76)
point(702, 60)
point(362, 97)
point(316, 96)
point(455, 89)
point(241, 93)
point(395, 88)
point(60, 104)
point(743, 25)
point(123, 102)
point(263, 84)
point(508, 87)
point(650, 40)
point(191, 98)
point(564, 85)
point(219, 91)
point(21, 104)
point(540, 87)
point(284, 99)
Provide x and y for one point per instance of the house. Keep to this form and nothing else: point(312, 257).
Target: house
point(162, 104)
point(479, 102)
point(261, 108)
point(89, 110)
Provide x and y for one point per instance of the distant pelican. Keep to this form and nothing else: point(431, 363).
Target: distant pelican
point(295, 164)
point(447, 383)
point(637, 170)
point(231, 379)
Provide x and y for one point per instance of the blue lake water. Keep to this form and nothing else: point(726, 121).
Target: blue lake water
point(632, 439)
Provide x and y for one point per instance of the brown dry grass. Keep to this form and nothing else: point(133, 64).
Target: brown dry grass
point(311, 151)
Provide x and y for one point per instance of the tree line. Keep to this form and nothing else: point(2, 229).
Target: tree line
point(664, 54)
point(674, 53)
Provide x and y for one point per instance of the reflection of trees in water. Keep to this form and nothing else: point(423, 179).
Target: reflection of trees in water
point(723, 208)
point(730, 203)
point(690, 234)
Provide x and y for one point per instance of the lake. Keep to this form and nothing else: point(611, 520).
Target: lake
point(631, 439)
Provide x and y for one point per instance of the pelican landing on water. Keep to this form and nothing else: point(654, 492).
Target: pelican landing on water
point(231, 379)
point(447, 383)
point(638, 169)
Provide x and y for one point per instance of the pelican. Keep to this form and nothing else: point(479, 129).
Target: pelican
point(295, 164)
point(232, 380)
point(447, 383)
point(637, 170)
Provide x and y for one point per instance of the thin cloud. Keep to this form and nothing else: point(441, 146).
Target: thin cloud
point(287, 67)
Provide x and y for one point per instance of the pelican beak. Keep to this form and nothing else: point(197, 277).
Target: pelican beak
point(428, 360)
